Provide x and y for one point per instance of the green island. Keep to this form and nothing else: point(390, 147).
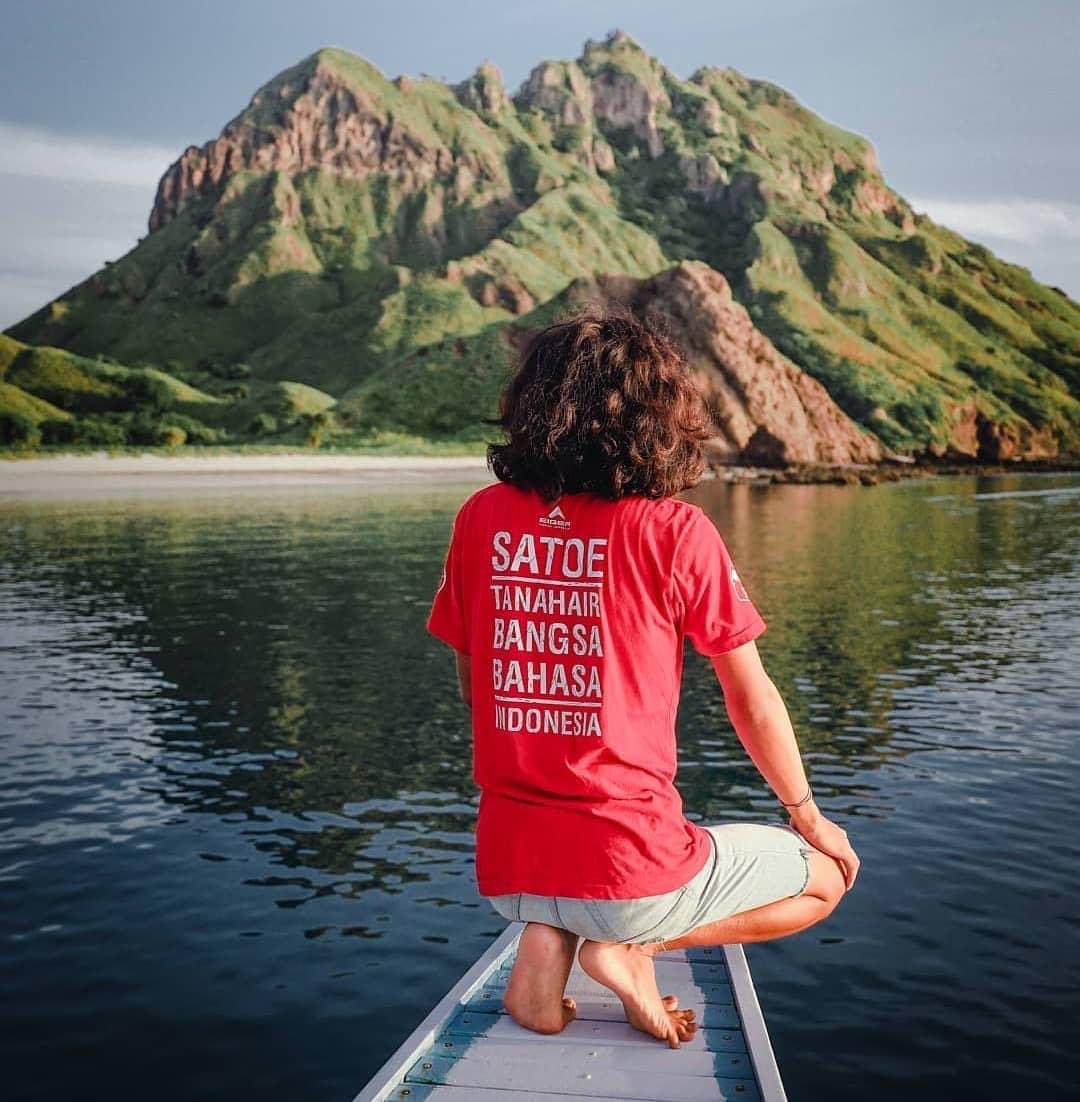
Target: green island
point(355, 261)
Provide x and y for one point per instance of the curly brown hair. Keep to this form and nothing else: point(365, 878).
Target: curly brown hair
point(601, 402)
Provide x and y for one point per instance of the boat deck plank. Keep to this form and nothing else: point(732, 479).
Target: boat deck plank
point(468, 1049)
point(419, 1092)
point(581, 1031)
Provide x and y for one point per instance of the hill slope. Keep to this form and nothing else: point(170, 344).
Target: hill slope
point(52, 396)
point(343, 222)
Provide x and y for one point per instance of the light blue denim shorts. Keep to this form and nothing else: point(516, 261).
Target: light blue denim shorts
point(751, 864)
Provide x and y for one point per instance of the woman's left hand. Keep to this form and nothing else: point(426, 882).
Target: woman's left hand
point(827, 836)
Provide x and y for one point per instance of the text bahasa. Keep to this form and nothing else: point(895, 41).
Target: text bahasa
point(546, 633)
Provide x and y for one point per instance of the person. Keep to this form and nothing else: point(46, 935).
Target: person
point(567, 588)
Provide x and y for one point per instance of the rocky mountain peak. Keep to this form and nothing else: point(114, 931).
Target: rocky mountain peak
point(617, 39)
point(484, 92)
point(334, 112)
point(614, 85)
point(557, 88)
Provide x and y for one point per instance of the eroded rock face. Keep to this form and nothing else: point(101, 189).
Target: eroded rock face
point(601, 95)
point(329, 125)
point(703, 175)
point(562, 91)
point(484, 92)
point(767, 411)
point(977, 437)
point(559, 89)
point(625, 102)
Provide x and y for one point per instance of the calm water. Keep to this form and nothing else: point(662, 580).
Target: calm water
point(236, 811)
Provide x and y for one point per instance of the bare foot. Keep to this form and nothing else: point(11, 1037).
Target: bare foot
point(631, 974)
point(534, 993)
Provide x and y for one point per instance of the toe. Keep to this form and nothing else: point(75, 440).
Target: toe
point(670, 1001)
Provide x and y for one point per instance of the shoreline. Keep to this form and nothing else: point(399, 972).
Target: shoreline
point(102, 473)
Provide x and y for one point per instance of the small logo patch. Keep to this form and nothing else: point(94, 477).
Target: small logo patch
point(736, 584)
point(555, 519)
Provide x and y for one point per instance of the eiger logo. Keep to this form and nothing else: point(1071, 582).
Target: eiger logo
point(556, 519)
point(740, 589)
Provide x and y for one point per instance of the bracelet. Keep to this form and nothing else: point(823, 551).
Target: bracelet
point(809, 796)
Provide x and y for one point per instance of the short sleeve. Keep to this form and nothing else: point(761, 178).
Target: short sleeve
point(446, 620)
point(717, 613)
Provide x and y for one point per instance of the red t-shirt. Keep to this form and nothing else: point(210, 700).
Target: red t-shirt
point(574, 614)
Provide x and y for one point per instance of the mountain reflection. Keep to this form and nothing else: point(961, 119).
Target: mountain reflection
point(237, 795)
point(296, 676)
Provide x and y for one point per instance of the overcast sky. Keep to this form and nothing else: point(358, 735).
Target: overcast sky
point(972, 106)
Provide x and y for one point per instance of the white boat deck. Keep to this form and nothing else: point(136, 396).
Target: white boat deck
point(468, 1049)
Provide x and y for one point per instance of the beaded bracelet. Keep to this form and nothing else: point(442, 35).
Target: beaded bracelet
point(809, 796)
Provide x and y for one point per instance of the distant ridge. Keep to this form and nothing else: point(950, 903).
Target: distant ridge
point(389, 242)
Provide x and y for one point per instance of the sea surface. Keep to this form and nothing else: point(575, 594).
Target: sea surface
point(236, 810)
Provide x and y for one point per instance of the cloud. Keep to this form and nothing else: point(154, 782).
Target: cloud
point(1023, 221)
point(45, 154)
point(56, 232)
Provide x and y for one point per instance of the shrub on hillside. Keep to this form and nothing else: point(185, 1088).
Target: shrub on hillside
point(147, 393)
point(197, 432)
point(221, 370)
point(314, 426)
point(146, 429)
point(172, 436)
point(262, 424)
point(108, 432)
point(16, 429)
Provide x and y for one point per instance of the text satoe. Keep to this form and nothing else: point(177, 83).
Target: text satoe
point(541, 555)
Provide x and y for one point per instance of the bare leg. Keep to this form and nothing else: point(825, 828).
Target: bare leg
point(622, 967)
point(534, 994)
point(772, 920)
point(632, 976)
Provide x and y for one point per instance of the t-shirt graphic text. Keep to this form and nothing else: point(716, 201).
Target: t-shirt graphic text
point(538, 686)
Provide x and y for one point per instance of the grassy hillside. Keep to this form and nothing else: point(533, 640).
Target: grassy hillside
point(49, 396)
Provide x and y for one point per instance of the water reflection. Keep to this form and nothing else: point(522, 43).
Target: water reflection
point(237, 798)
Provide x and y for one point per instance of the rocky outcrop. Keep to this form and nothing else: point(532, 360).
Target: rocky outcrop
point(319, 118)
point(326, 125)
point(627, 92)
point(614, 87)
point(484, 92)
point(561, 91)
point(766, 410)
point(977, 436)
point(624, 102)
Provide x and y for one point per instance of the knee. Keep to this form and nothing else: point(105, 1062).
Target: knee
point(529, 1016)
point(826, 880)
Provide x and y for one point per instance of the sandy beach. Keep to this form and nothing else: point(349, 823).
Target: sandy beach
point(101, 473)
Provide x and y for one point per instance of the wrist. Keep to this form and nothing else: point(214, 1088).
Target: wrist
point(806, 798)
point(808, 812)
